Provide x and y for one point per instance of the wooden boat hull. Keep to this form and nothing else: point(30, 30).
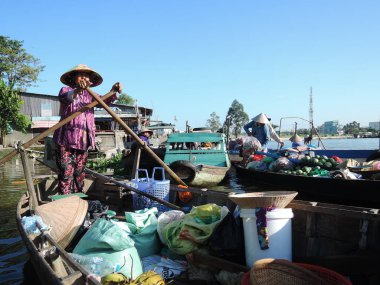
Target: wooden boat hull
point(328, 235)
point(359, 192)
point(199, 175)
point(209, 176)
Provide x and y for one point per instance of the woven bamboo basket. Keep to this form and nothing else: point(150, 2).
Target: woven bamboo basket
point(277, 199)
point(271, 271)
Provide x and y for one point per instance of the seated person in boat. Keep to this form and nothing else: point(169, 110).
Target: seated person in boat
point(296, 143)
point(145, 134)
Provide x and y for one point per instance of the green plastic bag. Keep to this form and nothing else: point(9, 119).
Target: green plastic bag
point(185, 235)
point(143, 227)
point(108, 241)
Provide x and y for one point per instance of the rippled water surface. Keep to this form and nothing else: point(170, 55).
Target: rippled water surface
point(13, 255)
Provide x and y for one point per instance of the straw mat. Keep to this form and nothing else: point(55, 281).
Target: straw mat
point(65, 216)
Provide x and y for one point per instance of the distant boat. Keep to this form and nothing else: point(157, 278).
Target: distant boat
point(198, 158)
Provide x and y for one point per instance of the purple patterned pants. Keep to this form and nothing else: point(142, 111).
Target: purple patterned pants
point(70, 164)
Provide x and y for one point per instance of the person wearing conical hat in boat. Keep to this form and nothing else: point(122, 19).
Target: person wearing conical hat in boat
point(272, 132)
point(296, 140)
point(145, 134)
point(74, 138)
point(258, 128)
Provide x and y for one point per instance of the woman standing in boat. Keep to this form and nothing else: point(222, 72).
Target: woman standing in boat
point(73, 139)
point(259, 129)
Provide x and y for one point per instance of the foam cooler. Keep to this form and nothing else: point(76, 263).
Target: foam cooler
point(279, 231)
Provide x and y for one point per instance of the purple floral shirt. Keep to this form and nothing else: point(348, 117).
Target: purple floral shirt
point(79, 133)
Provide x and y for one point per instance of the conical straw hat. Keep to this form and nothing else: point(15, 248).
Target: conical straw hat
point(295, 138)
point(65, 216)
point(277, 199)
point(145, 130)
point(261, 118)
point(68, 77)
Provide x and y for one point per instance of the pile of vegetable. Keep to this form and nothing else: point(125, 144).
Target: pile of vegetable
point(322, 161)
point(303, 165)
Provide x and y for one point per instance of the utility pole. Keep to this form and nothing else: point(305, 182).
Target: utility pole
point(311, 110)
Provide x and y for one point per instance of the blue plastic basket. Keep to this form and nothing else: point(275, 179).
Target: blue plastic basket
point(159, 189)
point(141, 183)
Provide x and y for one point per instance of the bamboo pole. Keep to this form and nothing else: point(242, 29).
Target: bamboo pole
point(132, 133)
point(56, 126)
point(33, 203)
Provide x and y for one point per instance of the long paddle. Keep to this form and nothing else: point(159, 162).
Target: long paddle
point(132, 133)
point(56, 126)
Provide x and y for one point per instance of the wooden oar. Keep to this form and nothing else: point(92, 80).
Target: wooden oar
point(56, 126)
point(132, 133)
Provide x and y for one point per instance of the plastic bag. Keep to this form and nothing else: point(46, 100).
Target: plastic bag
point(166, 267)
point(281, 163)
point(257, 165)
point(166, 218)
point(185, 235)
point(106, 240)
point(30, 224)
point(143, 226)
point(104, 235)
point(227, 240)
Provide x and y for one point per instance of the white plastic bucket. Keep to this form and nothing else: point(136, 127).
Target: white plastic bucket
point(279, 231)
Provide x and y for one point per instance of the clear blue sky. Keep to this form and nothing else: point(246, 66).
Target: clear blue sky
point(191, 58)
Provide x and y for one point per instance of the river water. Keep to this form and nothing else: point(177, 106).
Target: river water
point(13, 255)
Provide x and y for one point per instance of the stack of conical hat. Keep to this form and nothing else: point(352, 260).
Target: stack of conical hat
point(64, 216)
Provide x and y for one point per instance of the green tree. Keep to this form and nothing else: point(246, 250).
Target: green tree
point(18, 69)
point(214, 122)
point(236, 118)
point(351, 128)
point(10, 104)
point(124, 98)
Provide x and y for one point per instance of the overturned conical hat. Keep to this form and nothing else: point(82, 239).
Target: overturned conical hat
point(69, 76)
point(261, 118)
point(64, 216)
point(295, 138)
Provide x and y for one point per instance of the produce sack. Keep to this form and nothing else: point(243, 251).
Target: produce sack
point(250, 144)
point(185, 235)
point(166, 218)
point(281, 163)
point(227, 240)
point(106, 240)
point(143, 227)
point(257, 165)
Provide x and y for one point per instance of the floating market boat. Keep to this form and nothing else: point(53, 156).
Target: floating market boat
point(317, 178)
point(200, 159)
point(341, 238)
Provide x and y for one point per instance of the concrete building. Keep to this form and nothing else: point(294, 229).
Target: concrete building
point(374, 125)
point(330, 127)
